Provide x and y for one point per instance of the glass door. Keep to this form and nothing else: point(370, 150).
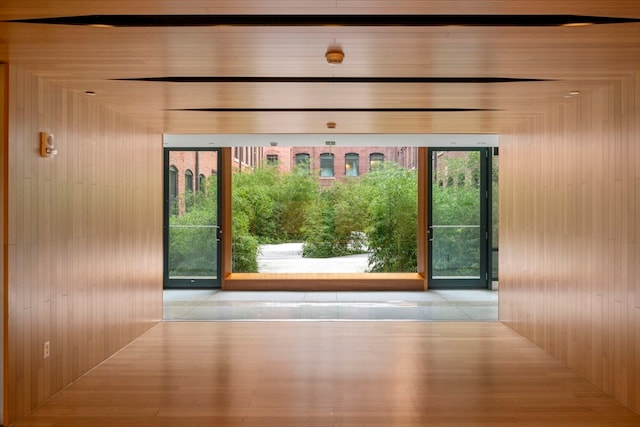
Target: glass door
point(191, 218)
point(459, 220)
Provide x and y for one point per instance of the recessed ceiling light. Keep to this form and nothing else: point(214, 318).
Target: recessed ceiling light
point(574, 93)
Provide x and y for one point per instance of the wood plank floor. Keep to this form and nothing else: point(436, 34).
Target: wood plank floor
point(331, 374)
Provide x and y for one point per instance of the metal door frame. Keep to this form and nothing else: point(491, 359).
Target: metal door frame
point(190, 283)
point(484, 281)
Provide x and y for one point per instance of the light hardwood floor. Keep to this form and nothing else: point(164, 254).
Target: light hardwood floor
point(331, 374)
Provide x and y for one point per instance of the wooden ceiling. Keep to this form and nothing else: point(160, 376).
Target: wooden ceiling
point(283, 84)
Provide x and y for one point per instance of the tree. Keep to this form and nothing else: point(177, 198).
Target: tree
point(393, 215)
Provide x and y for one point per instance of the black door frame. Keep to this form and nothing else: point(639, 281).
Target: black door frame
point(485, 279)
point(190, 283)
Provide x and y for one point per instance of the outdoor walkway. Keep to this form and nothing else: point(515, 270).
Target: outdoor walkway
point(287, 258)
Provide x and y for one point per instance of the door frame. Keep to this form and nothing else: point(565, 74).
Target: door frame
point(485, 247)
point(191, 283)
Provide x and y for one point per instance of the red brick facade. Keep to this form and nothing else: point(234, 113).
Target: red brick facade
point(204, 163)
point(404, 156)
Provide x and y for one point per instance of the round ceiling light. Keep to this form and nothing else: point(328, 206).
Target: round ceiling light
point(334, 55)
point(331, 125)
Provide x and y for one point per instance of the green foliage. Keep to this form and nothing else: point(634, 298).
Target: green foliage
point(375, 213)
point(455, 249)
point(244, 245)
point(274, 203)
point(393, 213)
point(295, 194)
point(335, 222)
point(192, 250)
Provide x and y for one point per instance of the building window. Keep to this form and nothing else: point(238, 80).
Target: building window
point(326, 165)
point(272, 159)
point(173, 190)
point(375, 161)
point(302, 164)
point(188, 189)
point(351, 161)
point(188, 181)
point(202, 182)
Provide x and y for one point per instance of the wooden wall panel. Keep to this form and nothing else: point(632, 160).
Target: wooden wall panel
point(4, 83)
point(569, 231)
point(84, 237)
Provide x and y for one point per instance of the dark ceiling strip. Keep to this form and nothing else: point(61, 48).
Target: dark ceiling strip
point(328, 20)
point(332, 110)
point(235, 79)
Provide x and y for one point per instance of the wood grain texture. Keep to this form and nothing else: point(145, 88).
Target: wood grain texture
point(90, 58)
point(4, 112)
point(324, 282)
point(569, 229)
point(423, 209)
point(331, 374)
point(84, 238)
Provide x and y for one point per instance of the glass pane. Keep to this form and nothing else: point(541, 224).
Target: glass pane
point(326, 165)
point(495, 198)
point(302, 164)
point(351, 165)
point(456, 214)
point(456, 252)
point(193, 232)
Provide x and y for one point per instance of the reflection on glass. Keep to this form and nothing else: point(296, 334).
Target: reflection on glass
point(193, 216)
point(456, 214)
point(193, 251)
point(455, 252)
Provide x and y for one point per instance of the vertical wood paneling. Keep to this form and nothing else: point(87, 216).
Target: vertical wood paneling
point(226, 224)
point(84, 240)
point(423, 208)
point(4, 85)
point(569, 279)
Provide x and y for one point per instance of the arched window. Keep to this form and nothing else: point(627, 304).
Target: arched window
point(302, 164)
point(188, 181)
point(326, 165)
point(173, 190)
point(375, 161)
point(351, 164)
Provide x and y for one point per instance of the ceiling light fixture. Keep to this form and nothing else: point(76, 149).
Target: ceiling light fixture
point(334, 55)
point(90, 93)
point(577, 24)
point(331, 125)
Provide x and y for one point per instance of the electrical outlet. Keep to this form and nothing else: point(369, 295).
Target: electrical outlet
point(47, 349)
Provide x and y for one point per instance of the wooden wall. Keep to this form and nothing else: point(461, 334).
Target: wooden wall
point(570, 235)
point(84, 237)
point(3, 193)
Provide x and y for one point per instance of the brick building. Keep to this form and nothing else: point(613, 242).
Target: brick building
point(189, 170)
point(330, 163)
